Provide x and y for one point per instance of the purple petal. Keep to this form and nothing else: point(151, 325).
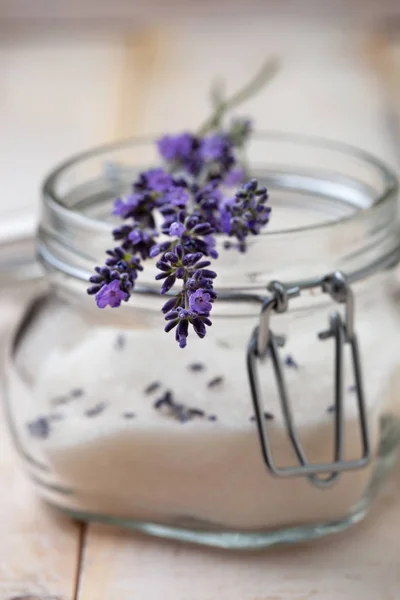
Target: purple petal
point(176, 229)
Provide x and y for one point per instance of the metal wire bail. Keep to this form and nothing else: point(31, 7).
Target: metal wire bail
point(342, 332)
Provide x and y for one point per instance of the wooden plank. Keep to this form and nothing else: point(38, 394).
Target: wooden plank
point(383, 56)
point(360, 563)
point(144, 55)
point(38, 548)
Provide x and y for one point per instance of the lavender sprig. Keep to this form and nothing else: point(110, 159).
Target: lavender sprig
point(247, 213)
point(188, 203)
point(193, 303)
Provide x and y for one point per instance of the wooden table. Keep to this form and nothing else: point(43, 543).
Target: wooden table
point(44, 555)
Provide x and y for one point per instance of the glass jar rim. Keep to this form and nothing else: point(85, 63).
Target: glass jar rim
point(72, 242)
point(391, 182)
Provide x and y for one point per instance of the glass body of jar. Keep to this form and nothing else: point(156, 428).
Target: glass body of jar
point(114, 422)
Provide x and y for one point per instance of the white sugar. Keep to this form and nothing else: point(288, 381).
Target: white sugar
point(152, 466)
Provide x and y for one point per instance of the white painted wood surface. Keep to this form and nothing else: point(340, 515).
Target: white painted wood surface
point(61, 93)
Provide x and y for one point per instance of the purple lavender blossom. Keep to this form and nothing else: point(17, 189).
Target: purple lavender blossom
point(193, 303)
point(182, 329)
point(140, 236)
point(159, 249)
point(158, 180)
point(191, 203)
point(215, 147)
point(247, 212)
point(177, 197)
point(115, 281)
point(199, 302)
point(176, 229)
point(235, 177)
point(226, 211)
point(123, 209)
point(110, 295)
point(217, 152)
point(193, 155)
point(175, 147)
point(210, 244)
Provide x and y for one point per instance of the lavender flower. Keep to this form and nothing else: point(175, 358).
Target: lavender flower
point(186, 201)
point(110, 295)
point(246, 213)
point(217, 147)
point(176, 229)
point(199, 302)
point(177, 196)
point(235, 177)
point(129, 206)
point(182, 151)
point(158, 180)
point(193, 304)
point(114, 282)
point(176, 147)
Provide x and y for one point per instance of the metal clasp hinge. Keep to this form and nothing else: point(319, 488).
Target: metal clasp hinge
point(263, 341)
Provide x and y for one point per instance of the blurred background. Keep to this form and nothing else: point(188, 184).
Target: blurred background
point(84, 72)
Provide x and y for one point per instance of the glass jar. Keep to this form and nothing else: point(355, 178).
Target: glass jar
point(115, 423)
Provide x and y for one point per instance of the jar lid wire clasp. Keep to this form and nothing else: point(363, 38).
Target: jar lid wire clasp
point(263, 342)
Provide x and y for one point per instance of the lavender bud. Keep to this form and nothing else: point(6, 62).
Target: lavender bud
point(251, 186)
point(96, 279)
point(169, 305)
point(168, 283)
point(190, 259)
point(159, 248)
point(93, 289)
point(261, 191)
point(202, 229)
point(203, 264)
point(192, 222)
point(199, 327)
point(171, 257)
point(111, 262)
point(208, 273)
point(104, 271)
point(182, 332)
point(160, 276)
point(172, 315)
point(181, 216)
point(169, 326)
point(163, 266)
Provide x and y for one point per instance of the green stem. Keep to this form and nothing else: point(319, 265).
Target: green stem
point(267, 71)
